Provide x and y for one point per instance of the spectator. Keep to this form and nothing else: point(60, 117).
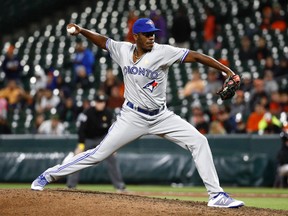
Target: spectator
point(282, 68)
point(40, 80)
point(264, 100)
point(181, 28)
point(37, 99)
point(269, 124)
point(238, 105)
point(266, 17)
point(270, 84)
point(262, 51)
point(246, 52)
point(195, 86)
point(132, 17)
point(213, 111)
point(278, 21)
point(3, 108)
point(62, 85)
point(52, 126)
point(224, 119)
point(38, 120)
point(110, 81)
point(115, 99)
point(274, 103)
point(15, 94)
point(281, 179)
point(269, 64)
point(246, 84)
point(265, 24)
point(55, 80)
point(284, 101)
point(68, 111)
point(12, 66)
point(85, 105)
point(255, 117)
point(213, 84)
point(52, 79)
point(216, 128)
point(83, 65)
point(160, 23)
point(240, 127)
point(258, 92)
point(209, 29)
point(199, 119)
point(46, 101)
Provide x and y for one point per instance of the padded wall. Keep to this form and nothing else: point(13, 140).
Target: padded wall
point(240, 160)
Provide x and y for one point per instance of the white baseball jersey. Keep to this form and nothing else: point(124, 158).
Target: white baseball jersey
point(146, 79)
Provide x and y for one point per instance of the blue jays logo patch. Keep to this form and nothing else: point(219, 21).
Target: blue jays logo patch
point(150, 22)
point(151, 85)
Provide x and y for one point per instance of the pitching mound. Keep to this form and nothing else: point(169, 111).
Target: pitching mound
point(14, 202)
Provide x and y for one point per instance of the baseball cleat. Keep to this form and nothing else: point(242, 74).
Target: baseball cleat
point(223, 200)
point(39, 183)
point(122, 190)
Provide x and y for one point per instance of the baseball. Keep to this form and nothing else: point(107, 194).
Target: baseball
point(71, 30)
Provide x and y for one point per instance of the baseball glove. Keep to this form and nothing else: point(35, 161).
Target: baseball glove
point(231, 84)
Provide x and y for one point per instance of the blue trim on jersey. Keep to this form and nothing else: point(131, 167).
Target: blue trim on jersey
point(107, 44)
point(184, 56)
point(73, 162)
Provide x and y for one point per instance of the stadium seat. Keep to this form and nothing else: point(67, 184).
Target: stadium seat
point(48, 44)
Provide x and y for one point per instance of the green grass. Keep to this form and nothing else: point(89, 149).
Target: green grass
point(253, 197)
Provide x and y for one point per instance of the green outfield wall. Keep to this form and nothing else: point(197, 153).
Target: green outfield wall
point(241, 160)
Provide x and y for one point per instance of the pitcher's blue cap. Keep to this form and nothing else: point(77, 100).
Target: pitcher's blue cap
point(144, 25)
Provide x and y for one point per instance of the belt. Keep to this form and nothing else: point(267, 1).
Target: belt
point(144, 111)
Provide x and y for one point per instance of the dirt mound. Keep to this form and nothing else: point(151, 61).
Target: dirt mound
point(78, 202)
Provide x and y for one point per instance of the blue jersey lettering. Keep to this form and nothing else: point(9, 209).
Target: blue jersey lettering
point(140, 72)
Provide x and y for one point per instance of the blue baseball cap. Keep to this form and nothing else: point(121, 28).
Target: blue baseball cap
point(144, 25)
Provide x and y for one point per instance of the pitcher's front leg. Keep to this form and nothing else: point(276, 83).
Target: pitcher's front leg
point(179, 131)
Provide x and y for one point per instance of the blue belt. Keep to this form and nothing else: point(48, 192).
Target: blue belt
point(144, 111)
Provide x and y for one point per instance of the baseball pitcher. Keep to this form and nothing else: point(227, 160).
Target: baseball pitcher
point(145, 70)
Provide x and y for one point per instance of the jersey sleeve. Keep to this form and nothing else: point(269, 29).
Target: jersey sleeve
point(116, 49)
point(174, 54)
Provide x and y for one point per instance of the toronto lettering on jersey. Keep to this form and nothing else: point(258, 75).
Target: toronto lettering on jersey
point(140, 71)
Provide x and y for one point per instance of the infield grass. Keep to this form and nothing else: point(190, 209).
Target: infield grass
point(253, 197)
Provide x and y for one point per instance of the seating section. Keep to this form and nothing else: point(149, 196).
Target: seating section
point(48, 45)
point(20, 13)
